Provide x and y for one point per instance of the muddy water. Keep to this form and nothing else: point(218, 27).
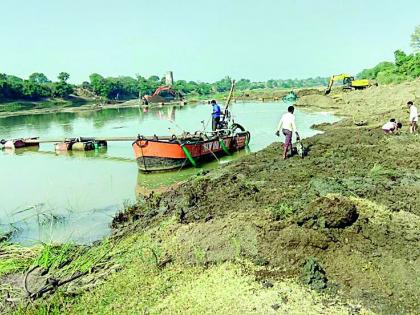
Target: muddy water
point(45, 196)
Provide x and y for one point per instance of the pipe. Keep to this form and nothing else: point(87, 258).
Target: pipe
point(188, 155)
point(223, 146)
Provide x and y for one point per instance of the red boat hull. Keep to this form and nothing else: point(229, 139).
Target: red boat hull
point(160, 155)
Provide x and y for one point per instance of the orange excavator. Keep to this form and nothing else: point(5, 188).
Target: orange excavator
point(164, 94)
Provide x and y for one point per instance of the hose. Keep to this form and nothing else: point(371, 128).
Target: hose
point(188, 154)
point(223, 146)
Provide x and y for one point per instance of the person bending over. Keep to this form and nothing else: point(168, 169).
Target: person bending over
point(391, 126)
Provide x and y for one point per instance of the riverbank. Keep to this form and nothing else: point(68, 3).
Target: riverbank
point(24, 107)
point(79, 104)
point(71, 105)
point(336, 232)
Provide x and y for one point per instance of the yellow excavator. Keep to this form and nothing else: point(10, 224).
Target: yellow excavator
point(349, 82)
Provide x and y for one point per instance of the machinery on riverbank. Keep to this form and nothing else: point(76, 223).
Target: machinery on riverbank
point(349, 83)
point(163, 94)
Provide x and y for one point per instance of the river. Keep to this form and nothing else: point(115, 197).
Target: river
point(72, 197)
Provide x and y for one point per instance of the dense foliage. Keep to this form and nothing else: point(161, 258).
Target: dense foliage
point(128, 87)
point(37, 87)
point(405, 67)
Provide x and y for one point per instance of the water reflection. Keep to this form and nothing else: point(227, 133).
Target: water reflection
point(73, 195)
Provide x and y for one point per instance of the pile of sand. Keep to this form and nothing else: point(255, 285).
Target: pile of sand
point(315, 100)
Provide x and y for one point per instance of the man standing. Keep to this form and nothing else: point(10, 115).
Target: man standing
point(414, 117)
point(287, 126)
point(215, 115)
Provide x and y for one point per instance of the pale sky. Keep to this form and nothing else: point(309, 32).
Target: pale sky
point(202, 40)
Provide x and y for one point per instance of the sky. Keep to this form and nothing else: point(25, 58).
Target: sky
point(202, 40)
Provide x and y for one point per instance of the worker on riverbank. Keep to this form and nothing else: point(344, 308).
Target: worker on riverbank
point(391, 126)
point(215, 115)
point(287, 125)
point(414, 116)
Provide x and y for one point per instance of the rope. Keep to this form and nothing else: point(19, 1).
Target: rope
point(140, 138)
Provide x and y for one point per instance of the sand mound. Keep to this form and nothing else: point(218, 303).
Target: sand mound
point(315, 100)
point(330, 213)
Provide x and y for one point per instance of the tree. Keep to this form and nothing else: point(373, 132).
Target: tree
point(271, 84)
point(223, 85)
point(86, 85)
point(35, 91)
point(61, 89)
point(415, 39)
point(63, 76)
point(99, 85)
point(371, 74)
point(400, 58)
point(39, 78)
point(154, 78)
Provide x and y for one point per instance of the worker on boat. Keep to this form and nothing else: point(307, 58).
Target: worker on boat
point(215, 115)
point(288, 126)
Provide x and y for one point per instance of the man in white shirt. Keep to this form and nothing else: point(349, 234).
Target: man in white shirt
point(287, 126)
point(414, 117)
point(391, 126)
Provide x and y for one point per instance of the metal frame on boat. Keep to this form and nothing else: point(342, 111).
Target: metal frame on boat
point(167, 153)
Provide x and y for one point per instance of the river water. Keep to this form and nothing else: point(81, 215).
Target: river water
point(45, 196)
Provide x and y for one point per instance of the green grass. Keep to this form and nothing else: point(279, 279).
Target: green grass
point(281, 211)
point(228, 288)
point(14, 258)
point(132, 282)
point(378, 172)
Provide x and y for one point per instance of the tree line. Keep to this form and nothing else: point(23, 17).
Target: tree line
point(405, 66)
point(38, 86)
point(35, 88)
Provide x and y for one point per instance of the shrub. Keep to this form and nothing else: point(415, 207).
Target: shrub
point(281, 211)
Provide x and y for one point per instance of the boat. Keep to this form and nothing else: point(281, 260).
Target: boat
point(290, 97)
point(175, 152)
point(81, 144)
point(63, 146)
point(168, 153)
point(20, 143)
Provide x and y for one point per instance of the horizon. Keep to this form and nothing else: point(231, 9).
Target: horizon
point(201, 41)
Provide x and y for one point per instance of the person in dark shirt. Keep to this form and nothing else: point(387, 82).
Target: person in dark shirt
point(215, 115)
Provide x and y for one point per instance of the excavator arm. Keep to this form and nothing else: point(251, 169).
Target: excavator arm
point(337, 77)
point(163, 88)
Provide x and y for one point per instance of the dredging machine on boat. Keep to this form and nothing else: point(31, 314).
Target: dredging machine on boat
point(174, 152)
